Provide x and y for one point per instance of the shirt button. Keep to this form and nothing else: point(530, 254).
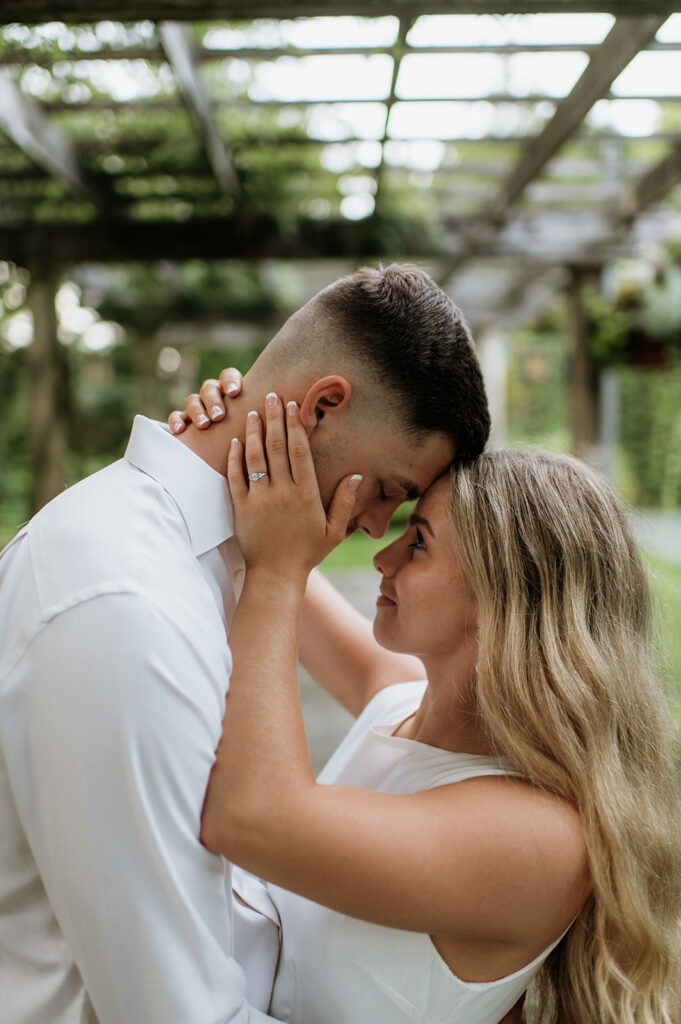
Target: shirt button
point(240, 575)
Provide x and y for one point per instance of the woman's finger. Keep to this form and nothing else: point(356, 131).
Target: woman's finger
point(177, 421)
point(235, 473)
point(210, 394)
point(342, 506)
point(195, 410)
point(230, 381)
point(276, 444)
point(299, 454)
point(256, 462)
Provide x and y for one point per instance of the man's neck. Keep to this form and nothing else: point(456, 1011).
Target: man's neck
point(212, 443)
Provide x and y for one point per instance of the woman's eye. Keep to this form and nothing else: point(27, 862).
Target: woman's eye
point(418, 544)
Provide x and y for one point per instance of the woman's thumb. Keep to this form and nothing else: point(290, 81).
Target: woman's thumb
point(343, 504)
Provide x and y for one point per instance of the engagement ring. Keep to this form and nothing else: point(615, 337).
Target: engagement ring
point(257, 476)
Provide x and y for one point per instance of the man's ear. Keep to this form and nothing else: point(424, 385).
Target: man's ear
point(328, 394)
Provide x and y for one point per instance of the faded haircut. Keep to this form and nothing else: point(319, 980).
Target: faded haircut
point(400, 322)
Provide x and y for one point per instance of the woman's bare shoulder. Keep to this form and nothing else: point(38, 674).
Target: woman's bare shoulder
point(534, 845)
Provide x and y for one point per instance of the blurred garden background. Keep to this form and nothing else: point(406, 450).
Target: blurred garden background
point(171, 190)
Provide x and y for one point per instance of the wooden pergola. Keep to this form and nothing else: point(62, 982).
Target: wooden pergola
point(552, 199)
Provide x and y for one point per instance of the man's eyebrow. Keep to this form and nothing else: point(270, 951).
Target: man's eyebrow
point(417, 520)
point(412, 490)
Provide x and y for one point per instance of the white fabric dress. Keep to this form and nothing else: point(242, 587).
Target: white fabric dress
point(335, 969)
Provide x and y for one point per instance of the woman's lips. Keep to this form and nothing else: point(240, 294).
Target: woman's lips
point(383, 601)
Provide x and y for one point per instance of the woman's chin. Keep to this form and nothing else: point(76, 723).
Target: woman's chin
point(385, 636)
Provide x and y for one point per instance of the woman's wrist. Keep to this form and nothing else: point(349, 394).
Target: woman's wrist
point(287, 581)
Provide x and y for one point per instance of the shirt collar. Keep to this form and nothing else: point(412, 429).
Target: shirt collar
point(201, 493)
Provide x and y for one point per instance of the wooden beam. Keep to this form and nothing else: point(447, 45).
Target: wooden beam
point(29, 11)
point(177, 42)
point(16, 55)
point(556, 235)
point(653, 185)
point(626, 38)
point(48, 370)
point(235, 237)
point(584, 376)
point(397, 53)
point(32, 131)
point(245, 103)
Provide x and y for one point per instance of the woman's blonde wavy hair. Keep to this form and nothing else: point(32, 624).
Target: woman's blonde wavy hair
point(567, 689)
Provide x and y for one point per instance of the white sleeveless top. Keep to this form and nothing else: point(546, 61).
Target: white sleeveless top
point(335, 969)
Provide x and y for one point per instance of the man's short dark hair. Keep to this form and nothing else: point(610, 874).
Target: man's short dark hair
point(421, 346)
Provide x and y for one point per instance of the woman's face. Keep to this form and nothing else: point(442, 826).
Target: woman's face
point(426, 606)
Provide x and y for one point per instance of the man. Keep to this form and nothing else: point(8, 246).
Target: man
point(115, 603)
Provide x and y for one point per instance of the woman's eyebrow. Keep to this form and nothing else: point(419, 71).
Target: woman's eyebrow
point(417, 520)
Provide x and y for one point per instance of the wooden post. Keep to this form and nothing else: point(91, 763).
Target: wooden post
point(48, 383)
point(491, 343)
point(584, 383)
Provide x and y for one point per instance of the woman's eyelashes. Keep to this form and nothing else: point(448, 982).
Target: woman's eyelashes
point(419, 543)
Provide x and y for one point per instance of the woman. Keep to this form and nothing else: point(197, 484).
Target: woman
point(515, 816)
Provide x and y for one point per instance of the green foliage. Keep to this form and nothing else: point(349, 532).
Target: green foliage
point(609, 328)
point(660, 313)
point(649, 404)
point(144, 297)
point(666, 583)
point(640, 324)
point(650, 436)
point(14, 468)
point(536, 387)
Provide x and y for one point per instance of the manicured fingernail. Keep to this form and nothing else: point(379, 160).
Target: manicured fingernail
point(272, 399)
point(292, 408)
point(201, 420)
point(174, 427)
point(216, 412)
point(235, 442)
point(355, 481)
point(231, 388)
point(252, 416)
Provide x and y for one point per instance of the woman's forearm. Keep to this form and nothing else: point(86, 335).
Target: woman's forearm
point(263, 755)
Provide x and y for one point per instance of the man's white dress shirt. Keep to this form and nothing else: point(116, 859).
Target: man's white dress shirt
point(114, 662)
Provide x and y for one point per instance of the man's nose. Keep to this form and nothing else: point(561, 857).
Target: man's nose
point(373, 522)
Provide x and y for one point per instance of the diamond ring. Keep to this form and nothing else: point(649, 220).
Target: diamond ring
point(257, 476)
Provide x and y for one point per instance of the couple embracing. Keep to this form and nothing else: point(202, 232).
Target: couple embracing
point(504, 810)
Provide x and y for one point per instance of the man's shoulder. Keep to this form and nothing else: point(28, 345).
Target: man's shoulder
point(117, 529)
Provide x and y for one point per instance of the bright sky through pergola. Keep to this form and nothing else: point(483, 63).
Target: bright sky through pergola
point(437, 96)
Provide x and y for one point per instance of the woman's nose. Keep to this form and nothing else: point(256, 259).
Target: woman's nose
point(384, 560)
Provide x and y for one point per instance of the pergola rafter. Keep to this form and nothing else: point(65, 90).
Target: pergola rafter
point(26, 123)
point(178, 46)
point(626, 38)
point(28, 11)
point(488, 197)
point(652, 185)
point(203, 54)
point(511, 190)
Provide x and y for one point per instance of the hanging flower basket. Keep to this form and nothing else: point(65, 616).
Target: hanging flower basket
point(645, 350)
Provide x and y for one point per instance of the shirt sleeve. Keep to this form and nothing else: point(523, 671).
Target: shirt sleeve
point(123, 714)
